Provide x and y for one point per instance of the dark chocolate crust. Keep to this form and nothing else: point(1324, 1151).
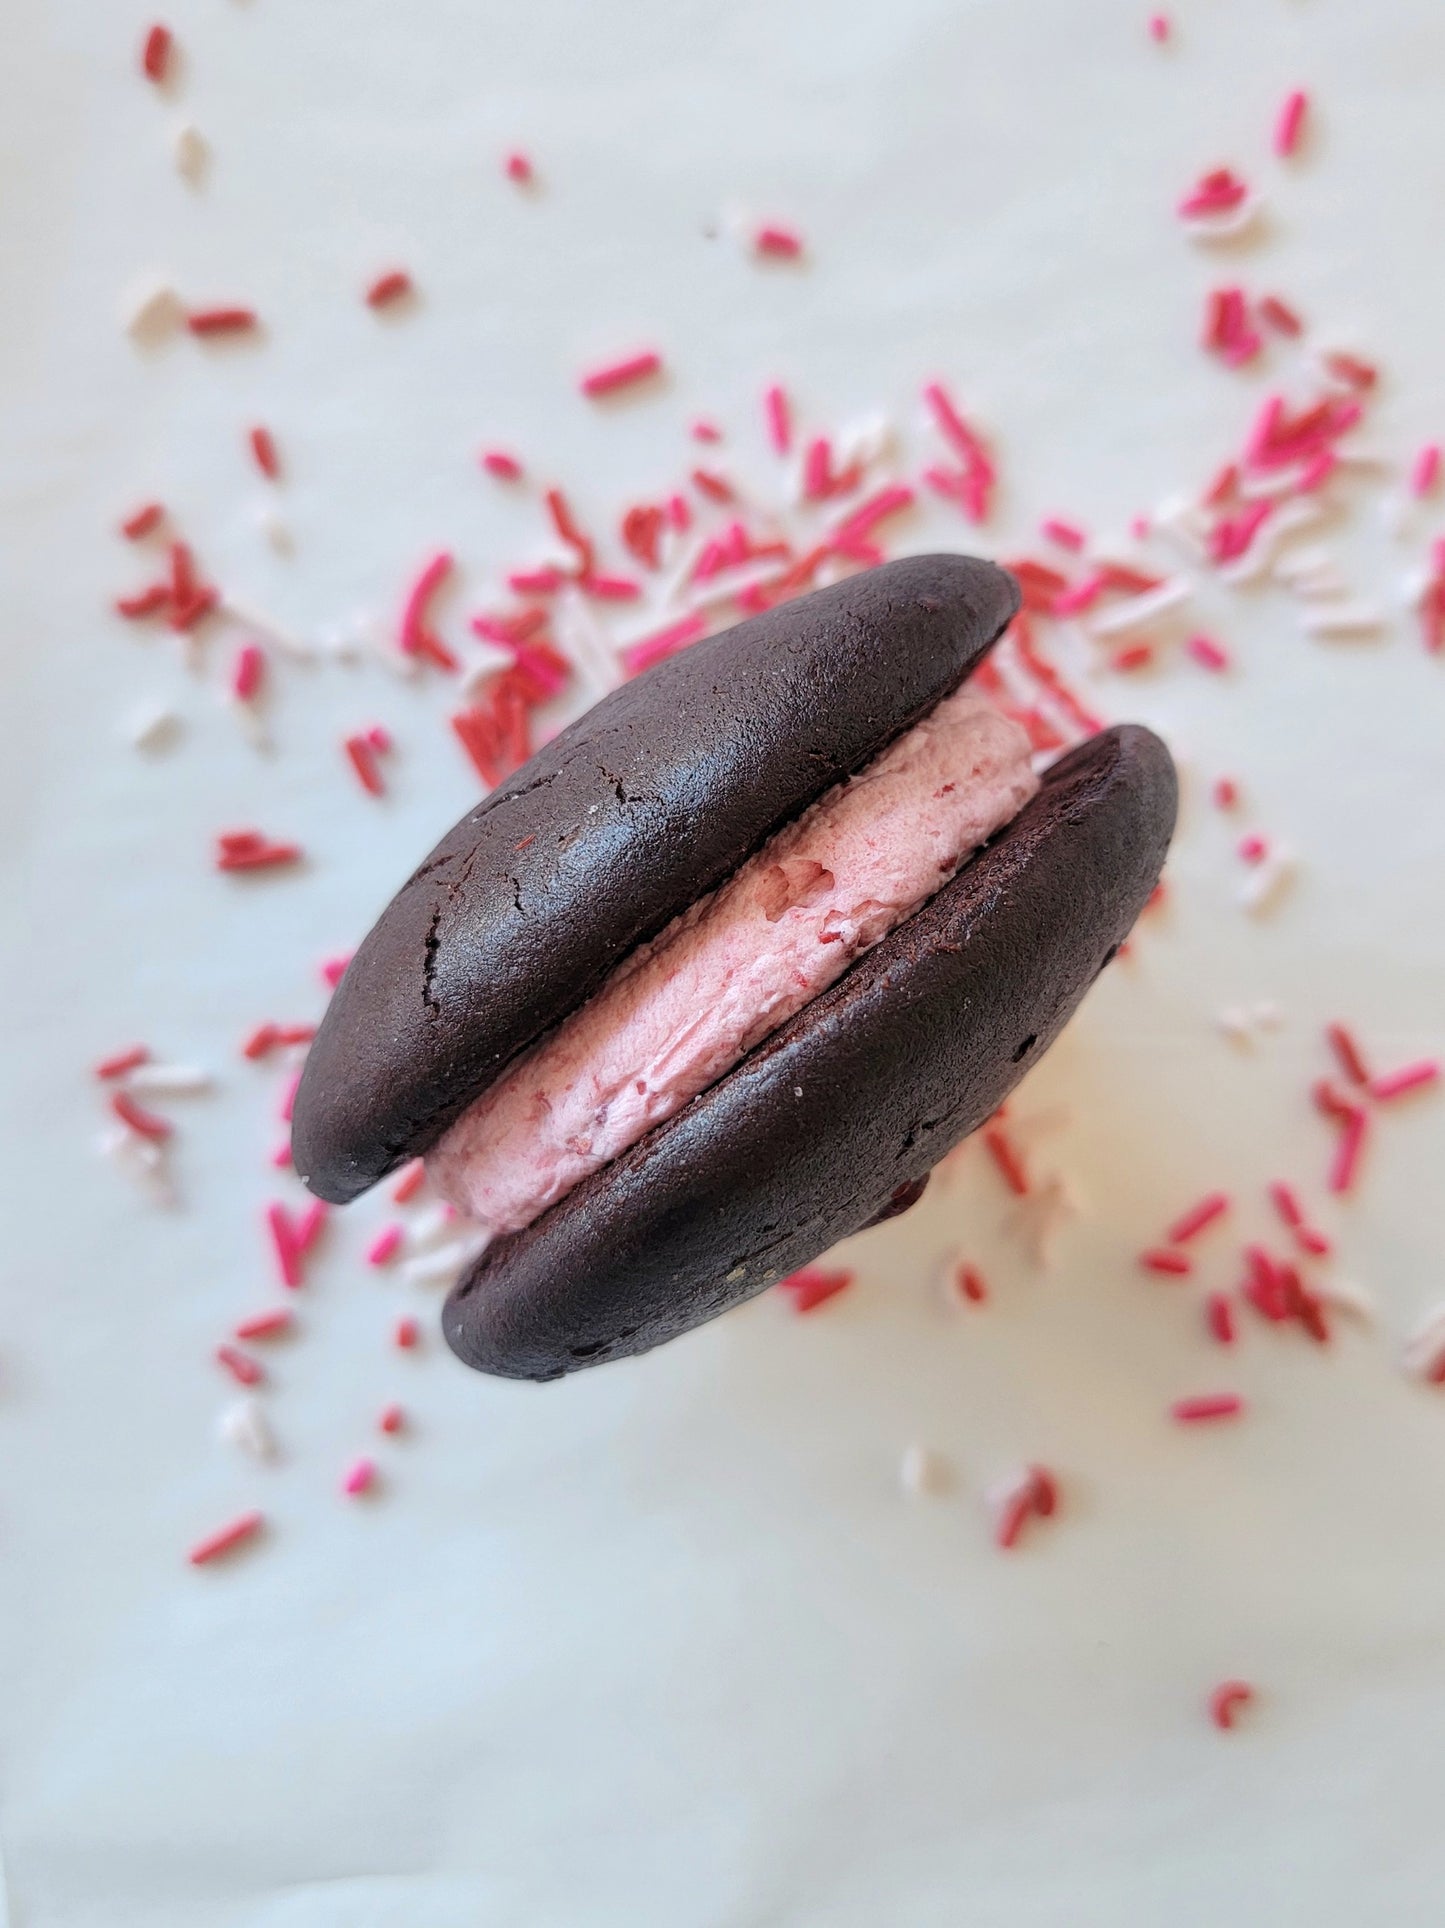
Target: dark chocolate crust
point(628, 816)
point(856, 1097)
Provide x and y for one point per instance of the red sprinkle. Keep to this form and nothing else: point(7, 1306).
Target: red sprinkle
point(1348, 1054)
point(1191, 1223)
point(249, 850)
point(155, 56)
point(1227, 1700)
point(145, 519)
point(246, 1527)
point(410, 1182)
point(362, 754)
point(1226, 793)
point(247, 671)
point(388, 287)
point(610, 376)
point(1036, 1496)
point(1410, 1077)
point(1280, 315)
point(1286, 1203)
point(1290, 124)
point(1002, 1151)
point(416, 637)
point(812, 1287)
point(264, 1325)
point(392, 1420)
point(241, 1366)
point(383, 1247)
point(120, 1062)
point(263, 447)
point(147, 1124)
point(1174, 1264)
point(221, 321)
point(405, 1334)
point(1207, 1405)
point(1253, 848)
point(519, 168)
point(505, 467)
point(1219, 1315)
point(1132, 656)
point(782, 243)
point(1207, 653)
point(970, 1284)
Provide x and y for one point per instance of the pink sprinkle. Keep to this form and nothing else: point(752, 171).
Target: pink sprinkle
point(1035, 1494)
point(1225, 793)
point(1286, 1203)
point(1159, 27)
point(1205, 1406)
point(1280, 315)
point(1132, 656)
point(311, 1224)
point(703, 430)
point(1227, 1700)
point(782, 243)
point(812, 1287)
point(392, 1420)
point(285, 1244)
point(1068, 535)
point(610, 376)
point(817, 468)
point(246, 1527)
point(613, 588)
point(123, 1061)
point(288, 1097)
point(1191, 1223)
point(1290, 124)
point(1344, 1166)
point(664, 642)
point(1312, 1241)
point(1410, 1077)
point(263, 448)
point(1207, 653)
point(405, 1335)
point(1219, 1316)
point(359, 1477)
point(410, 1182)
point(1253, 848)
point(519, 168)
point(281, 1156)
point(333, 969)
point(241, 1366)
point(1167, 1263)
point(264, 1325)
point(155, 58)
point(779, 418)
point(388, 287)
point(379, 738)
point(383, 1247)
point(1217, 193)
point(1426, 472)
point(247, 671)
point(1348, 1054)
point(505, 467)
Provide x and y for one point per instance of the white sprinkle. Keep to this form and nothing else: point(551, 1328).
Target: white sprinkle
point(1227, 224)
point(1351, 619)
point(274, 528)
point(585, 644)
point(189, 152)
point(1267, 1015)
point(1397, 515)
point(433, 1223)
point(1425, 1348)
point(1347, 1297)
point(1037, 1220)
point(249, 618)
point(170, 1080)
point(870, 439)
point(244, 1425)
point(1267, 882)
point(140, 1160)
point(443, 1265)
point(1235, 1023)
point(151, 311)
point(921, 1471)
point(153, 726)
point(1186, 523)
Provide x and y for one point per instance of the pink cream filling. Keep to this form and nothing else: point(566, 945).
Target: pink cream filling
point(681, 1011)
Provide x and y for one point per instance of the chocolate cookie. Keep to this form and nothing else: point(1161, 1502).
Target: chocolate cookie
point(850, 1104)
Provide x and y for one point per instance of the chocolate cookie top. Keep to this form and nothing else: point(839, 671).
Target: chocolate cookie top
point(636, 810)
point(852, 1100)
